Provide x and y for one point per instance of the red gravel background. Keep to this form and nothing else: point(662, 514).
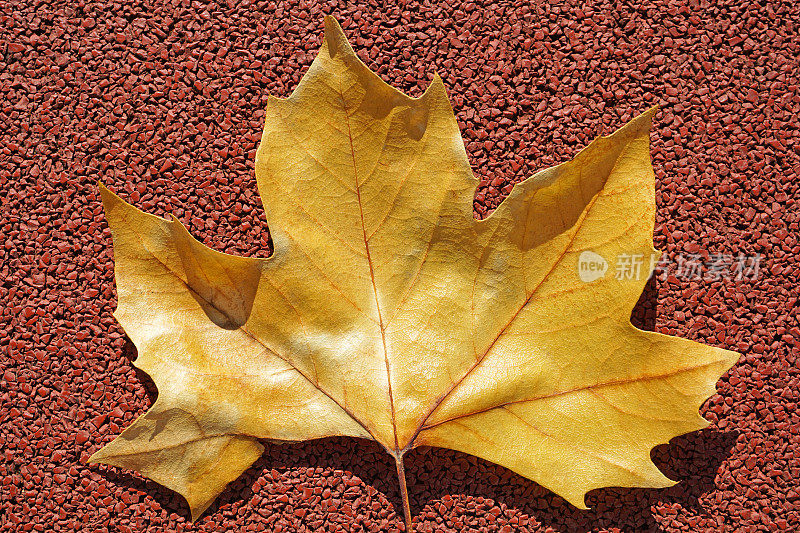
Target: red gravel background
point(163, 101)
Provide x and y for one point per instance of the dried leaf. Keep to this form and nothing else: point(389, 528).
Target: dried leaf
point(387, 312)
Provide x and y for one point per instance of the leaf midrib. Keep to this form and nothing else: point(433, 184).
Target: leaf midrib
point(381, 325)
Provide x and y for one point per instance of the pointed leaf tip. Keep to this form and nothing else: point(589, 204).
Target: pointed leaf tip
point(648, 115)
point(637, 126)
point(335, 38)
point(108, 197)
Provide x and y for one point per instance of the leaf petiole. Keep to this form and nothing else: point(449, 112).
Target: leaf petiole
point(401, 477)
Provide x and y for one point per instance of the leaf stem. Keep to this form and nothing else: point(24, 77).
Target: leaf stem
point(401, 476)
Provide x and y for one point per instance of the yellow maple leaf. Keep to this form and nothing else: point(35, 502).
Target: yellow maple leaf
point(388, 312)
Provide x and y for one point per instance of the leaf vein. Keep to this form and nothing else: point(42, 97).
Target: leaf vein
point(610, 383)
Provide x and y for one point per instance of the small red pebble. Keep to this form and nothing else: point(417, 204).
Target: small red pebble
point(15, 47)
point(81, 436)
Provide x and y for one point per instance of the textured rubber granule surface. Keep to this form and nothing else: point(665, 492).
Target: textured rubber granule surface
point(164, 102)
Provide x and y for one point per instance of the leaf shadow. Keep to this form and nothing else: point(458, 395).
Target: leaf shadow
point(352, 467)
point(338, 462)
point(439, 475)
point(130, 352)
point(142, 488)
point(643, 315)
